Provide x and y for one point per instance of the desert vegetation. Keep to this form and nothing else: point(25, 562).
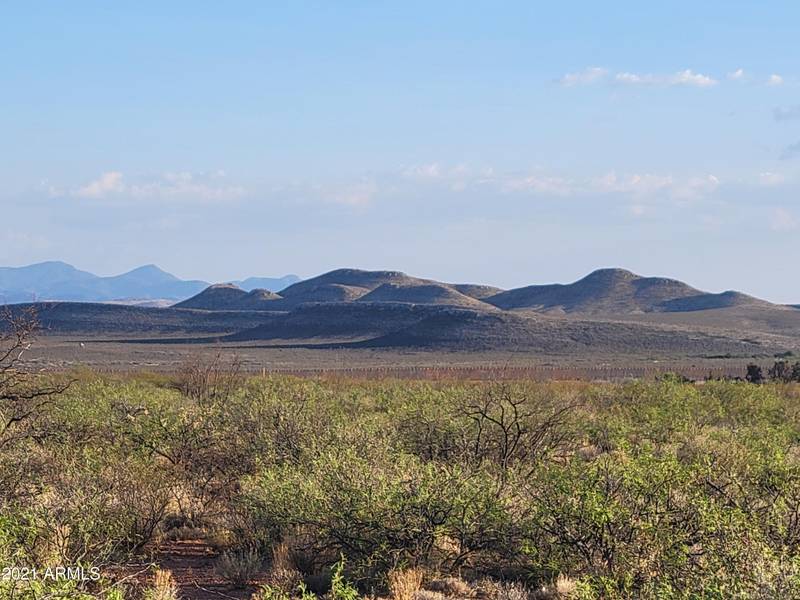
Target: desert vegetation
point(410, 490)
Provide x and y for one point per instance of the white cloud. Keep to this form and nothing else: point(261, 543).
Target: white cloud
point(736, 75)
point(648, 184)
point(782, 220)
point(686, 77)
point(775, 79)
point(429, 171)
point(543, 183)
point(183, 186)
point(539, 184)
point(633, 78)
point(106, 184)
point(637, 184)
point(696, 187)
point(587, 76)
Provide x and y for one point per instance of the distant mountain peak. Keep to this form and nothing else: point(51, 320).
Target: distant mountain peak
point(611, 274)
point(57, 280)
point(151, 268)
point(224, 286)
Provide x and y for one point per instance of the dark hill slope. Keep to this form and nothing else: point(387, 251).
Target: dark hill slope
point(713, 301)
point(220, 296)
point(227, 296)
point(98, 319)
point(477, 291)
point(259, 299)
point(418, 326)
point(325, 292)
point(339, 321)
point(468, 330)
point(615, 291)
point(423, 293)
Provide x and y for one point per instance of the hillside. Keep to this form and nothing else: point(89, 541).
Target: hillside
point(342, 321)
point(423, 293)
point(227, 296)
point(417, 326)
point(494, 331)
point(477, 291)
point(91, 319)
point(616, 292)
point(347, 285)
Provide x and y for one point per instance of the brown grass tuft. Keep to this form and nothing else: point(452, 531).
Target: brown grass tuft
point(283, 574)
point(491, 589)
point(163, 588)
point(451, 586)
point(239, 568)
point(404, 584)
point(428, 595)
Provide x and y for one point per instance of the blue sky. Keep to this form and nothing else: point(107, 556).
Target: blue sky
point(505, 143)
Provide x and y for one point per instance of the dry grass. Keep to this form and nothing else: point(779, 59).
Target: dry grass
point(283, 575)
point(239, 568)
point(492, 589)
point(428, 595)
point(184, 532)
point(282, 557)
point(404, 584)
point(451, 586)
point(564, 588)
point(163, 588)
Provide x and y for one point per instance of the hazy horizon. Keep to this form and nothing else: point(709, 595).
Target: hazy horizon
point(504, 145)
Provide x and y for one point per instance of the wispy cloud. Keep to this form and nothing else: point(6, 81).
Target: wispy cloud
point(539, 182)
point(737, 75)
point(686, 77)
point(593, 75)
point(429, 171)
point(648, 184)
point(457, 182)
point(775, 79)
point(585, 77)
point(105, 185)
point(183, 186)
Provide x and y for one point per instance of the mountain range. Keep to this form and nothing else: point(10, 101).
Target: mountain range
point(610, 311)
point(56, 280)
point(603, 292)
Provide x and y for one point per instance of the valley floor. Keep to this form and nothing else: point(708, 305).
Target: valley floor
point(104, 354)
